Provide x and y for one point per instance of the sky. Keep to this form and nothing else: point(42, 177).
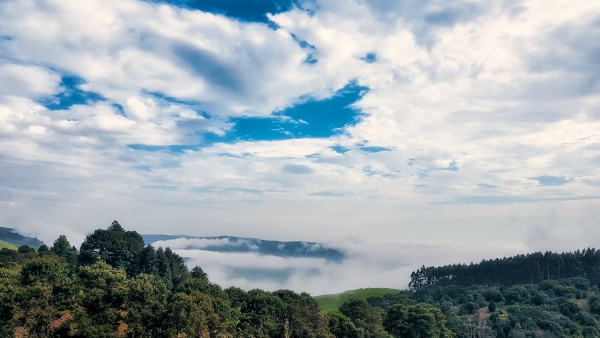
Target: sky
point(463, 127)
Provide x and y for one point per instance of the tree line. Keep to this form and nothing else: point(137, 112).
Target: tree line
point(521, 269)
point(569, 307)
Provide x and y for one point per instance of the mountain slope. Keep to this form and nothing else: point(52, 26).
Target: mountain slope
point(4, 244)
point(231, 244)
point(11, 236)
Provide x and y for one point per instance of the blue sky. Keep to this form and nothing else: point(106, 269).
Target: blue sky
point(468, 125)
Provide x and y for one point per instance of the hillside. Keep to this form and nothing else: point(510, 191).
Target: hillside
point(329, 303)
point(232, 244)
point(11, 236)
point(4, 244)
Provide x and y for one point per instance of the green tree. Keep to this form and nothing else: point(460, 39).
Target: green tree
point(469, 307)
point(301, 315)
point(43, 249)
point(197, 272)
point(260, 313)
point(220, 304)
point(61, 246)
point(105, 292)
point(25, 249)
point(47, 297)
point(9, 290)
point(148, 262)
point(115, 246)
point(341, 326)
point(416, 321)
point(194, 315)
point(177, 268)
point(146, 306)
point(8, 257)
point(368, 319)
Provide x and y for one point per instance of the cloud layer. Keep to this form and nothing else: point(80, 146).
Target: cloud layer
point(367, 264)
point(417, 122)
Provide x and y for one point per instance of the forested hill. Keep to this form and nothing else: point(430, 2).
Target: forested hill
point(230, 244)
point(521, 269)
point(11, 236)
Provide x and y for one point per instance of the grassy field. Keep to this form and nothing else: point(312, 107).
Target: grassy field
point(328, 303)
point(7, 245)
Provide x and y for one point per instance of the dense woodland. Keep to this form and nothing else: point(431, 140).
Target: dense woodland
point(521, 269)
point(116, 286)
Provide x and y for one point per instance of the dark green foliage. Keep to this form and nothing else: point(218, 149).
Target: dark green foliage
point(416, 321)
point(43, 249)
point(260, 312)
point(548, 309)
point(176, 266)
point(45, 297)
point(368, 319)
point(469, 308)
point(570, 309)
point(197, 272)
point(25, 249)
point(115, 246)
point(301, 315)
point(521, 269)
point(493, 294)
point(388, 300)
point(61, 246)
point(8, 257)
point(146, 306)
point(148, 262)
point(342, 326)
point(594, 303)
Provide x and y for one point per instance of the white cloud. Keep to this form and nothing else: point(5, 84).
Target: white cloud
point(368, 264)
point(29, 81)
point(471, 100)
point(198, 243)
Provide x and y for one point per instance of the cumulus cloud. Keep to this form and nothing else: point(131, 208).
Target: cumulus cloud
point(479, 118)
point(27, 81)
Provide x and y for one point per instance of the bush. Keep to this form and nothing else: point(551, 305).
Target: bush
point(469, 308)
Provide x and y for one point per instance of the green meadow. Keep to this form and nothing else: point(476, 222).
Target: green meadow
point(329, 303)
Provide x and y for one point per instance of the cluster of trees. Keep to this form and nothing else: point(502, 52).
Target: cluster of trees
point(553, 308)
point(115, 286)
point(521, 269)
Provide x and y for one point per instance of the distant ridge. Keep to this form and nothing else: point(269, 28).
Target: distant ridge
point(11, 236)
point(232, 244)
